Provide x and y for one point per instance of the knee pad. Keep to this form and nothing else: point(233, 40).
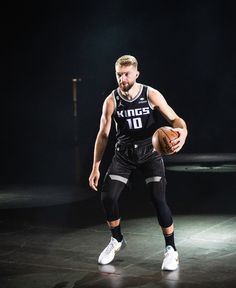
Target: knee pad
point(157, 188)
point(111, 190)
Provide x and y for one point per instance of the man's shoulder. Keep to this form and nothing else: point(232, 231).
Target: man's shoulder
point(109, 100)
point(149, 88)
point(152, 90)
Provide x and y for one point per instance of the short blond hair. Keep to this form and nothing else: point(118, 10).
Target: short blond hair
point(127, 60)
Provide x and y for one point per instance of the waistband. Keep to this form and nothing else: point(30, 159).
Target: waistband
point(135, 143)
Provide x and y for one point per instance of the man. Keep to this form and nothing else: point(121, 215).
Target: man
point(132, 106)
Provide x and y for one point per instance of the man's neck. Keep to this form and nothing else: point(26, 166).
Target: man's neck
point(132, 93)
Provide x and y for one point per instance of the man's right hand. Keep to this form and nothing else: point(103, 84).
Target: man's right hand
point(93, 179)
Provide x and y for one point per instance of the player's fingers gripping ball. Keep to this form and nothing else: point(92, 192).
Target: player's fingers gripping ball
point(161, 140)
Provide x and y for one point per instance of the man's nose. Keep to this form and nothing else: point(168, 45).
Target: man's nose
point(122, 78)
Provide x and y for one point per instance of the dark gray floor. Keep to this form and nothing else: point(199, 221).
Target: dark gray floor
point(57, 245)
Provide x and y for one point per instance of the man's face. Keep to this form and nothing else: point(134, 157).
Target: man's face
point(126, 76)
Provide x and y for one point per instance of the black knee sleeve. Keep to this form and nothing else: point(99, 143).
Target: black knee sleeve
point(111, 190)
point(157, 188)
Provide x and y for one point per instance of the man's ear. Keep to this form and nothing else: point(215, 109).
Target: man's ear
point(137, 74)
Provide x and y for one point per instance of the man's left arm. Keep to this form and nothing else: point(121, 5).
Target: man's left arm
point(158, 102)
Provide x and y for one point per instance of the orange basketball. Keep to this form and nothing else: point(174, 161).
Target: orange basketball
point(161, 139)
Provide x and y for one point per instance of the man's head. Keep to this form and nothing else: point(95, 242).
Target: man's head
point(127, 60)
point(126, 72)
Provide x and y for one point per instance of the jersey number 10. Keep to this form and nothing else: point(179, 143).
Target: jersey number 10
point(134, 123)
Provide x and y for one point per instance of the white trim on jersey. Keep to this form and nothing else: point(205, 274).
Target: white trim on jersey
point(135, 98)
point(114, 99)
point(149, 103)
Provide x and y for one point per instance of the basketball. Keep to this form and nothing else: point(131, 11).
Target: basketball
point(161, 139)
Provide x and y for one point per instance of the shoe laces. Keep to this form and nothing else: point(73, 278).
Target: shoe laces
point(110, 246)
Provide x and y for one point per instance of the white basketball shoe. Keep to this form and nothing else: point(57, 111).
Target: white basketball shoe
point(171, 259)
point(108, 254)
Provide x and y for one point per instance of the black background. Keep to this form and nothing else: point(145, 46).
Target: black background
point(186, 50)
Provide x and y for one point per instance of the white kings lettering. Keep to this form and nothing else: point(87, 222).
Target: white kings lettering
point(133, 112)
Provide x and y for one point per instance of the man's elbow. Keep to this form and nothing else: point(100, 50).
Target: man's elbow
point(103, 135)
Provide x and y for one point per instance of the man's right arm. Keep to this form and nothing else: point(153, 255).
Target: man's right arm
point(101, 140)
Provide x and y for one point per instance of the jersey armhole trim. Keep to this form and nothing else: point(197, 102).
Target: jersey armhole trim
point(114, 100)
point(149, 103)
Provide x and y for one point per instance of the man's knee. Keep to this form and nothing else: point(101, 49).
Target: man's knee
point(110, 194)
point(157, 188)
point(112, 187)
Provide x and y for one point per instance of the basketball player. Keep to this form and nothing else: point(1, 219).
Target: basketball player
point(132, 106)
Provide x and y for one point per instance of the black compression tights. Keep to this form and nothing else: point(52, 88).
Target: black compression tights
point(158, 198)
point(110, 196)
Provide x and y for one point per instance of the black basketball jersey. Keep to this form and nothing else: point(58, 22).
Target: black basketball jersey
point(134, 119)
